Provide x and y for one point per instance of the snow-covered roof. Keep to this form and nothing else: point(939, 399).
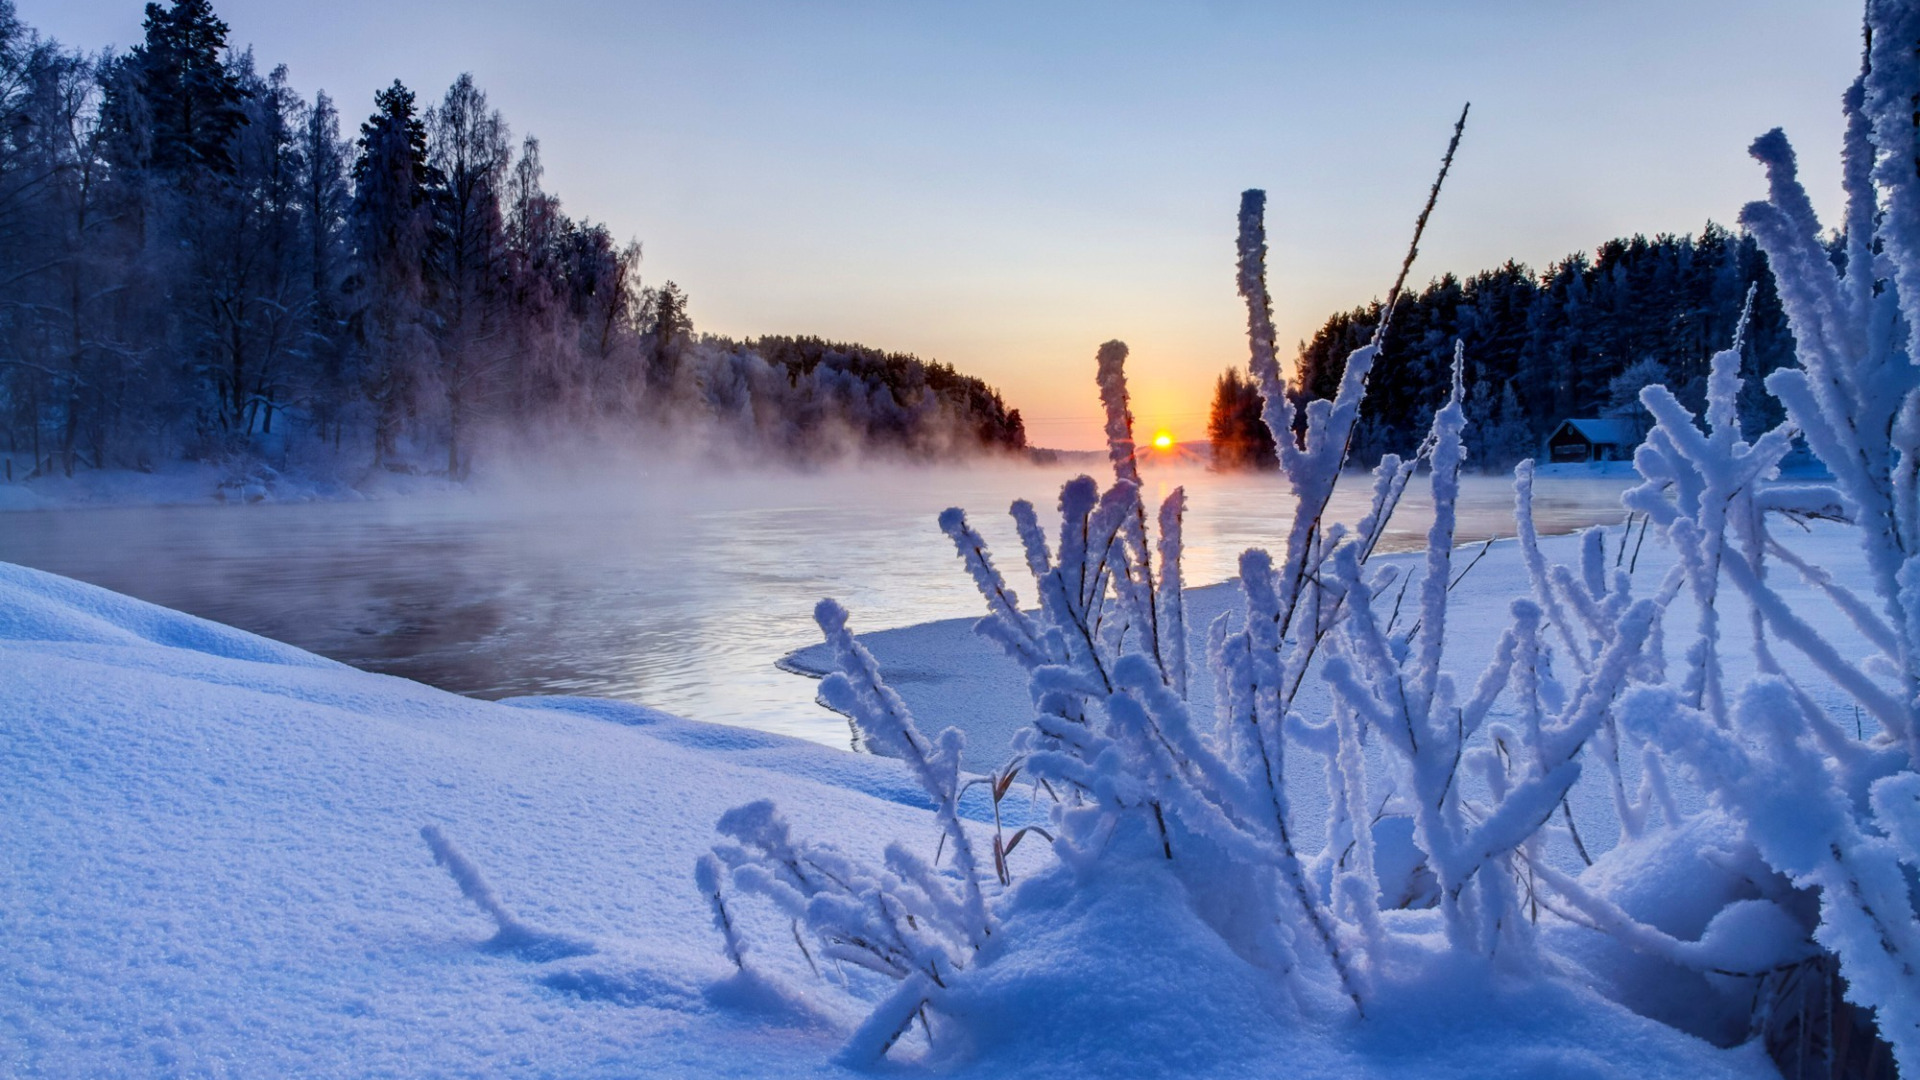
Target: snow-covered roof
point(1614, 432)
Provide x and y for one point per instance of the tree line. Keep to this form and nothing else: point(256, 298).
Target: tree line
point(197, 264)
point(1578, 340)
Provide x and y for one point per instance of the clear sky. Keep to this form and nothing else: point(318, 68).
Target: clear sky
point(1004, 186)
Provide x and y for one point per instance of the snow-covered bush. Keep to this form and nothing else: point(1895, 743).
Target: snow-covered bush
point(1835, 811)
point(1135, 776)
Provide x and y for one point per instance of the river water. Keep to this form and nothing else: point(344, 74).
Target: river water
point(666, 586)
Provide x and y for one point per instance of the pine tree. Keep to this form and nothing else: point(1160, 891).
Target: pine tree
point(468, 149)
point(393, 232)
point(667, 329)
point(179, 106)
point(1234, 425)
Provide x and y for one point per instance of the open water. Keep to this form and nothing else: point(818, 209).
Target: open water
point(665, 586)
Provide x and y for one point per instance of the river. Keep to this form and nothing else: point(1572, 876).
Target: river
point(666, 585)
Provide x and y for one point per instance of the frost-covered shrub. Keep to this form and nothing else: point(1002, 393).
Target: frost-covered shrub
point(1835, 811)
point(1134, 775)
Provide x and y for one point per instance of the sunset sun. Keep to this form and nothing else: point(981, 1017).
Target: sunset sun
point(1163, 441)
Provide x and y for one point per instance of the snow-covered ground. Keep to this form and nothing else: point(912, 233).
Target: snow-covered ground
point(215, 867)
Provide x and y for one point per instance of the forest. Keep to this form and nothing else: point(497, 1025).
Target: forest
point(1578, 340)
point(196, 264)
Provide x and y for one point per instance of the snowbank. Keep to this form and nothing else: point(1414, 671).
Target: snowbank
point(216, 867)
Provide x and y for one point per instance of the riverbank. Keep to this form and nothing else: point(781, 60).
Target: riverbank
point(202, 483)
point(216, 868)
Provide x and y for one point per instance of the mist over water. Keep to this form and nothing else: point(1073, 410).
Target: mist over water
point(664, 585)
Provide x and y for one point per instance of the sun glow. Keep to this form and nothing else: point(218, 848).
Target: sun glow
point(1163, 441)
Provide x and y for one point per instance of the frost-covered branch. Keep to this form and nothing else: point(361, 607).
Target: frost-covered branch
point(513, 935)
point(857, 690)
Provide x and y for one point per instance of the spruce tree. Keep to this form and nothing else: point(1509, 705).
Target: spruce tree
point(668, 327)
point(187, 102)
point(391, 221)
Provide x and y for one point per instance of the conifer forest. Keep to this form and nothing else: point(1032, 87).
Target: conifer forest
point(201, 263)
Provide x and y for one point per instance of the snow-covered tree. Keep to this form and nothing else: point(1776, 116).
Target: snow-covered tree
point(178, 107)
point(1503, 438)
point(1623, 390)
point(323, 383)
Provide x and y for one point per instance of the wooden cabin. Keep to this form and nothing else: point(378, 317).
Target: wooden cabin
point(1579, 441)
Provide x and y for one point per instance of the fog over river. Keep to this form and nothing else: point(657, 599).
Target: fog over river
point(665, 586)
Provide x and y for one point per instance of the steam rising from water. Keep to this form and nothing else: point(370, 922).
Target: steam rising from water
point(649, 580)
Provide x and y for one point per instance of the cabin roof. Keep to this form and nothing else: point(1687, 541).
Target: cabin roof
point(1598, 432)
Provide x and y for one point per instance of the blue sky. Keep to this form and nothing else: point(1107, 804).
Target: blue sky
point(1003, 186)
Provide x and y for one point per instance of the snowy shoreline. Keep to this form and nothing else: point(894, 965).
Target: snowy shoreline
point(950, 676)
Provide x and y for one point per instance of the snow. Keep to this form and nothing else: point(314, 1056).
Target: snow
point(228, 857)
point(215, 866)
